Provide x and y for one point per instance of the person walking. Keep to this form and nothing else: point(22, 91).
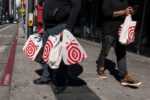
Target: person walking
point(114, 13)
point(57, 16)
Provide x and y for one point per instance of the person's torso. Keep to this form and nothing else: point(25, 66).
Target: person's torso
point(56, 11)
point(50, 4)
point(119, 4)
point(111, 25)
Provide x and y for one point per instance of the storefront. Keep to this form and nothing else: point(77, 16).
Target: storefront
point(91, 20)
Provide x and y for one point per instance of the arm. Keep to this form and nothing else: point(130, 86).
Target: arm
point(75, 10)
point(125, 12)
point(41, 31)
point(118, 13)
point(108, 12)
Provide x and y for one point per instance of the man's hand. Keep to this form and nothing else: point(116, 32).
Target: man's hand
point(37, 34)
point(129, 10)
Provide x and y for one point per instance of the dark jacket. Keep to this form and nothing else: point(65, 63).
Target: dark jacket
point(111, 24)
point(61, 11)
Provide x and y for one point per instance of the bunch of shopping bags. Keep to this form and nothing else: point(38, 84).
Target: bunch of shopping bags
point(127, 31)
point(56, 49)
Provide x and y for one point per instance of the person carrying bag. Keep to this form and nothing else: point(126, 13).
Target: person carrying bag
point(57, 16)
point(116, 12)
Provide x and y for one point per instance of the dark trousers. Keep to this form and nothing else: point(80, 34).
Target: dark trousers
point(120, 51)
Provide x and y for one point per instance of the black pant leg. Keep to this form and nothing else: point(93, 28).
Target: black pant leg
point(106, 45)
point(120, 51)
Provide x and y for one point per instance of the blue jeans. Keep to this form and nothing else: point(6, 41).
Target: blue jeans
point(120, 51)
point(47, 74)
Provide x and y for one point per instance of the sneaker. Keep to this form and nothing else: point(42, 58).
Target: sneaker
point(101, 73)
point(129, 81)
point(59, 89)
point(40, 81)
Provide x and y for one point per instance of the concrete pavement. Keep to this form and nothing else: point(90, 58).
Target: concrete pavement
point(7, 34)
point(91, 87)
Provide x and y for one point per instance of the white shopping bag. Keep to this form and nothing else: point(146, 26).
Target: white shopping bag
point(127, 31)
point(55, 57)
point(53, 51)
point(32, 46)
point(73, 52)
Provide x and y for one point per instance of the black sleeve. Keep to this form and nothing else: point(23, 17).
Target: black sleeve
point(75, 10)
point(107, 8)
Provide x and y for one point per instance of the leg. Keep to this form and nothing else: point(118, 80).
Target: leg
point(125, 79)
point(60, 78)
point(106, 45)
point(46, 76)
point(46, 70)
point(120, 51)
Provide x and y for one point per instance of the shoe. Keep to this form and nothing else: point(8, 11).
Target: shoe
point(39, 81)
point(60, 89)
point(101, 73)
point(129, 81)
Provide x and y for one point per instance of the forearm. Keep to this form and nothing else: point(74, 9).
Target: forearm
point(125, 12)
point(41, 31)
point(118, 13)
point(76, 7)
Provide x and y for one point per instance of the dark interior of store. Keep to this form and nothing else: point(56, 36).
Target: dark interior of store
point(91, 19)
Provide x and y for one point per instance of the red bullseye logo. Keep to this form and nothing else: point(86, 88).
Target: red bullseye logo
point(131, 36)
point(74, 53)
point(47, 49)
point(30, 49)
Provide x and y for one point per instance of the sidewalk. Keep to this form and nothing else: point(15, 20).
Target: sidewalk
point(88, 86)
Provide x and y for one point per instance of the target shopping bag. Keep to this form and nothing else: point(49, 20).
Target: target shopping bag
point(53, 51)
point(127, 31)
point(55, 56)
point(73, 52)
point(32, 46)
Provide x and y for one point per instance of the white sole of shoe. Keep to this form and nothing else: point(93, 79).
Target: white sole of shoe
point(128, 84)
point(102, 77)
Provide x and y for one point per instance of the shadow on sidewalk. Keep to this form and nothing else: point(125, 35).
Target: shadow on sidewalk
point(111, 67)
point(77, 88)
point(72, 72)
